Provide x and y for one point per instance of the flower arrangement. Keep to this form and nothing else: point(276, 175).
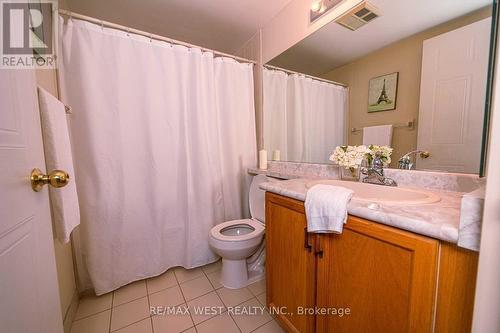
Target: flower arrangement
point(351, 157)
point(385, 153)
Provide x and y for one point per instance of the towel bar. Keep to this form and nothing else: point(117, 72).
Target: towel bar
point(410, 124)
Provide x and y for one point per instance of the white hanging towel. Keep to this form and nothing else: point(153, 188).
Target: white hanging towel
point(326, 208)
point(57, 147)
point(377, 135)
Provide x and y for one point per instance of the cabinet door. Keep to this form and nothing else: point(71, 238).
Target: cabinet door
point(290, 263)
point(385, 276)
point(455, 296)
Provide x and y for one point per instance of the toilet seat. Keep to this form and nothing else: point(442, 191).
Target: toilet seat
point(258, 230)
point(237, 241)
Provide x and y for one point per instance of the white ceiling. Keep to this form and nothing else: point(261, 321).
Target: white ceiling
point(333, 45)
point(222, 25)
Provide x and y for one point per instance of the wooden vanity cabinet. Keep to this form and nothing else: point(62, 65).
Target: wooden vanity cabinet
point(386, 277)
point(290, 263)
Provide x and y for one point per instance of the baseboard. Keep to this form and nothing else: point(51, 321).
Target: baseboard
point(71, 312)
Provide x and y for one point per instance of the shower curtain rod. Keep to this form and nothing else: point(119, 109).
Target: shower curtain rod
point(309, 76)
point(149, 35)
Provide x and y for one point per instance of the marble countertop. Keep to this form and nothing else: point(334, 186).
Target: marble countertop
point(440, 220)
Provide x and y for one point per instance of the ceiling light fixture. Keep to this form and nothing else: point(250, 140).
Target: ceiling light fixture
point(332, 8)
point(316, 5)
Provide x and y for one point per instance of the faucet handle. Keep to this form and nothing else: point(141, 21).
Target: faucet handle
point(377, 161)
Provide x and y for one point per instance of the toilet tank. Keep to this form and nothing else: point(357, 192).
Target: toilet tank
point(256, 197)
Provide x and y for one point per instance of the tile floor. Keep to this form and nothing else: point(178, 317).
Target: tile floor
point(127, 310)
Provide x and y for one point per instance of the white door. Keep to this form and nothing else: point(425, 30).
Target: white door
point(452, 98)
point(29, 295)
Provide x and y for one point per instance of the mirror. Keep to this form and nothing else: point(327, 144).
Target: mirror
point(413, 76)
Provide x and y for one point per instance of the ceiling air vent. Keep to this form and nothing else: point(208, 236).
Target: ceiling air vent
point(358, 16)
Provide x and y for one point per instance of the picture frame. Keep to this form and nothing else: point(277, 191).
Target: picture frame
point(383, 92)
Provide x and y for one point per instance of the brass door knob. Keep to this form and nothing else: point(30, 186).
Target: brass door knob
point(56, 178)
point(424, 154)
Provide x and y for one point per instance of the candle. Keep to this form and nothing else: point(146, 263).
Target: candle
point(263, 159)
point(276, 155)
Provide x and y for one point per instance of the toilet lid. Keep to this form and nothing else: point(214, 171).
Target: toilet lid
point(257, 198)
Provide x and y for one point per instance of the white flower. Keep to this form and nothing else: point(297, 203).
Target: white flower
point(352, 156)
point(385, 153)
point(349, 156)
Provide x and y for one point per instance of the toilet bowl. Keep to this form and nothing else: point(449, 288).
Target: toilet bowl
point(240, 242)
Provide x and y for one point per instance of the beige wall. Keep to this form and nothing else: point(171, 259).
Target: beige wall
point(291, 25)
point(63, 252)
point(404, 57)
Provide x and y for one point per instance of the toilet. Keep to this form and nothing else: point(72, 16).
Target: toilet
point(240, 242)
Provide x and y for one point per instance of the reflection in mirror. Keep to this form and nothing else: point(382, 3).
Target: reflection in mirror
point(415, 82)
point(308, 116)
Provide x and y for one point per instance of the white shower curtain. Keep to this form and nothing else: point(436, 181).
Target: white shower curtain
point(162, 136)
point(274, 87)
point(303, 117)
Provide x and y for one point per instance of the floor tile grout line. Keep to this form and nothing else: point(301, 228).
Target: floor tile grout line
point(135, 322)
point(223, 312)
point(152, 326)
point(206, 274)
point(238, 303)
point(267, 322)
point(178, 284)
point(218, 297)
point(230, 315)
point(132, 300)
point(200, 295)
point(162, 289)
point(149, 306)
point(111, 313)
point(200, 267)
point(159, 291)
point(204, 320)
point(94, 314)
point(185, 302)
point(234, 321)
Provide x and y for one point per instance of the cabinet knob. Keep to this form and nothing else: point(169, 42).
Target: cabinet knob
point(307, 246)
point(319, 248)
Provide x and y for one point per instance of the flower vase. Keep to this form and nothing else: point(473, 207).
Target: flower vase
point(350, 174)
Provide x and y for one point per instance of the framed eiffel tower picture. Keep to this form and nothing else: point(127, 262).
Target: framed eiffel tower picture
point(382, 92)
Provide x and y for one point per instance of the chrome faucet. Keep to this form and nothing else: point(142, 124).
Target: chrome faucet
point(375, 173)
point(406, 163)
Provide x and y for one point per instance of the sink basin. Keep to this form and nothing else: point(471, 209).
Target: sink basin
point(382, 194)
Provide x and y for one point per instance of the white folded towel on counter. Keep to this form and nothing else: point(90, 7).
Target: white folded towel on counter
point(377, 135)
point(326, 208)
point(57, 147)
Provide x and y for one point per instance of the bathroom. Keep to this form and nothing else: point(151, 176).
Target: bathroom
point(249, 166)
